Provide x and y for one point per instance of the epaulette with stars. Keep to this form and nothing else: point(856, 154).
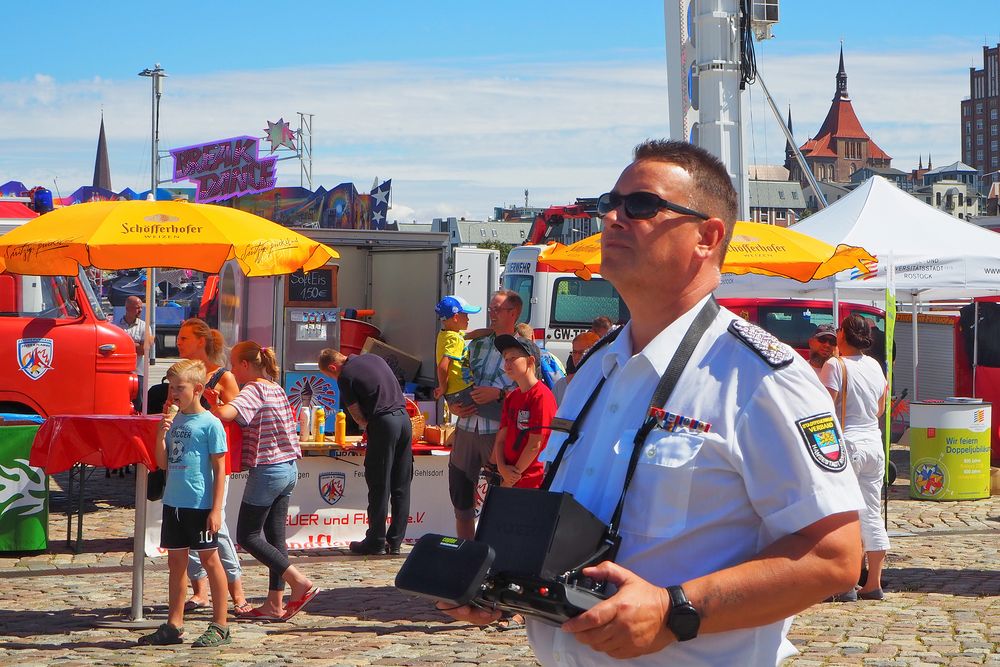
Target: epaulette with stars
point(769, 348)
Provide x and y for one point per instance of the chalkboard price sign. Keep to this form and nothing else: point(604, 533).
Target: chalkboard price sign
point(316, 288)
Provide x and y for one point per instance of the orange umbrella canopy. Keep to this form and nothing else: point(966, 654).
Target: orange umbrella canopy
point(755, 248)
point(168, 234)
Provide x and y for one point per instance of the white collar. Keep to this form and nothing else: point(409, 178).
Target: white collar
point(659, 351)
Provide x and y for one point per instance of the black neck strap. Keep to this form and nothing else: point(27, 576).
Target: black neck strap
point(661, 394)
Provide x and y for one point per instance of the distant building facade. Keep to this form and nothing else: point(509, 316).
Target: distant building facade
point(900, 179)
point(981, 117)
point(956, 171)
point(773, 198)
point(953, 189)
point(470, 233)
point(952, 197)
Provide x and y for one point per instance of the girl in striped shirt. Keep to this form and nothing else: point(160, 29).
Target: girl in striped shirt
point(270, 451)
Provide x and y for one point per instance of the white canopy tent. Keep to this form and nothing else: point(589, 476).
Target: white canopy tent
point(936, 256)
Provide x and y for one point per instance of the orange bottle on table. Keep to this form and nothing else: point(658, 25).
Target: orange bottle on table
point(340, 428)
point(319, 424)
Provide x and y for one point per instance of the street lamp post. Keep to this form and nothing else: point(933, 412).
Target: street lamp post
point(156, 75)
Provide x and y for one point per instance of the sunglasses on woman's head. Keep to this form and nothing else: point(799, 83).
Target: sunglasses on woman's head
point(641, 205)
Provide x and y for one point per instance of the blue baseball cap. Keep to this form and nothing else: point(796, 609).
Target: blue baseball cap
point(452, 305)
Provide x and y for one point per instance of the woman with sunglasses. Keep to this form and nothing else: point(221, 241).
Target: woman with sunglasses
point(858, 388)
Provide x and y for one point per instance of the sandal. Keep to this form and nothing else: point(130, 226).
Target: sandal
point(508, 622)
point(512, 622)
point(258, 615)
point(165, 634)
point(215, 635)
point(193, 605)
point(240, 610)
point(295, 606)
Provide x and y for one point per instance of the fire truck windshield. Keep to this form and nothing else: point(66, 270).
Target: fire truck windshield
point(46, 297)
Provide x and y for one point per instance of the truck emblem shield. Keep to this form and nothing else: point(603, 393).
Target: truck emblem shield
point(331, 486)
point(34, 356)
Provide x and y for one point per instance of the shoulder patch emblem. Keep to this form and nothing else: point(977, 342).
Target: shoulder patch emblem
point(769, 348)
point(824, 442)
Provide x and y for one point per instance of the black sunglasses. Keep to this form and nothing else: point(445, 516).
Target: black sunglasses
point(641, 205)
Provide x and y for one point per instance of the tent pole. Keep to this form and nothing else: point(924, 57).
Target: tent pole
point(975, 344)
point(915, 306)
point(836, 306)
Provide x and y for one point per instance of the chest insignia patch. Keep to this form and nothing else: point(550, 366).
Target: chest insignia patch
point(769, 348)
point(824, 442)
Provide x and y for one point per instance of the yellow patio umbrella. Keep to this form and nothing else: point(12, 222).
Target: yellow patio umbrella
point(755, 248)
point(118, 235)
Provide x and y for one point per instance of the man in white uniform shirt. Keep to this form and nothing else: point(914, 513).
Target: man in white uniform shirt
point(742, 510)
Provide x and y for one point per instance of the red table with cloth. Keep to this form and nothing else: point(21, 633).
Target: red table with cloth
point(110, 441)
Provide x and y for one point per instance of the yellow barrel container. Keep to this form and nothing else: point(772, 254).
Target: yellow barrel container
point(950, 449)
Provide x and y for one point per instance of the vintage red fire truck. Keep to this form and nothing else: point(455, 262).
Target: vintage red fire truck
point(59, 352)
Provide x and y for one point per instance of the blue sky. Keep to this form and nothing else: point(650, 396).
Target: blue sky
point(463, 104)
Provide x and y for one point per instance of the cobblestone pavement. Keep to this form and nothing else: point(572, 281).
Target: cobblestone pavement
point(942, 605)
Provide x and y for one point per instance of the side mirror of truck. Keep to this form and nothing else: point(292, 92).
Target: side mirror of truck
point(71, 290)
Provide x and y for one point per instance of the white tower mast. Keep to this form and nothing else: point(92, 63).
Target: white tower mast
point(706, 105)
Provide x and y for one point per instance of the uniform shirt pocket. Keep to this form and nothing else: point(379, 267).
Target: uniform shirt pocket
point(657, 501)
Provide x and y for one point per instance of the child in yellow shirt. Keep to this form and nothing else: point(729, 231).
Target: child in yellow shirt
point(454, 312)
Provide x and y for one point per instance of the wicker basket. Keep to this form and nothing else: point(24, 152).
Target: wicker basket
point(417, 423)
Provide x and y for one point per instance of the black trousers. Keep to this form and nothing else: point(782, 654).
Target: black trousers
point(388, 473)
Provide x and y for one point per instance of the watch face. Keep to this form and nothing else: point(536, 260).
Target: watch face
point(684, 622)
point(683, 619)
point(688, 618)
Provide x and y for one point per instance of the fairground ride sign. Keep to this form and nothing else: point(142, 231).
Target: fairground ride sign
point(225, 169)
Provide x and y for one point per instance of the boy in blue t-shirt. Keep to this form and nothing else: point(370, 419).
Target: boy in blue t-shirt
point(191, 445)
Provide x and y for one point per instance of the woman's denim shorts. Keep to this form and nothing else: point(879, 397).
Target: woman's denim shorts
point(265, 483)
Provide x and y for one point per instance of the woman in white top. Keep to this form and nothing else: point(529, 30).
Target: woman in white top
point(860, 401)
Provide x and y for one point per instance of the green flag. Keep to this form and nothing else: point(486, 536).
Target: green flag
point(890, 332)
point(24, 493)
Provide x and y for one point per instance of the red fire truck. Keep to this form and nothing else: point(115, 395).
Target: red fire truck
point(59, 352)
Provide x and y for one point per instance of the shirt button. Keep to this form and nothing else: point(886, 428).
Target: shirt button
point(650, 451)
point(613, 408)
point(590, 472)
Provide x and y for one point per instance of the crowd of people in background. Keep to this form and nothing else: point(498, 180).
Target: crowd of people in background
point(497, 382)
point(503, 390)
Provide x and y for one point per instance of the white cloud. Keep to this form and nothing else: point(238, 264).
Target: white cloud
point(458, 138)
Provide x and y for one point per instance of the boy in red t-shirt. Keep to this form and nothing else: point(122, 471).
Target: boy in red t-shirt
point(525, 410)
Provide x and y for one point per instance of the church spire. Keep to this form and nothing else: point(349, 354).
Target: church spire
point(102, 166)
point(789, 150)
point(842, 78)
point(920, 163)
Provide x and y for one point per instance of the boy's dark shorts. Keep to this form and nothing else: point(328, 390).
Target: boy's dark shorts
point(184, 528)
